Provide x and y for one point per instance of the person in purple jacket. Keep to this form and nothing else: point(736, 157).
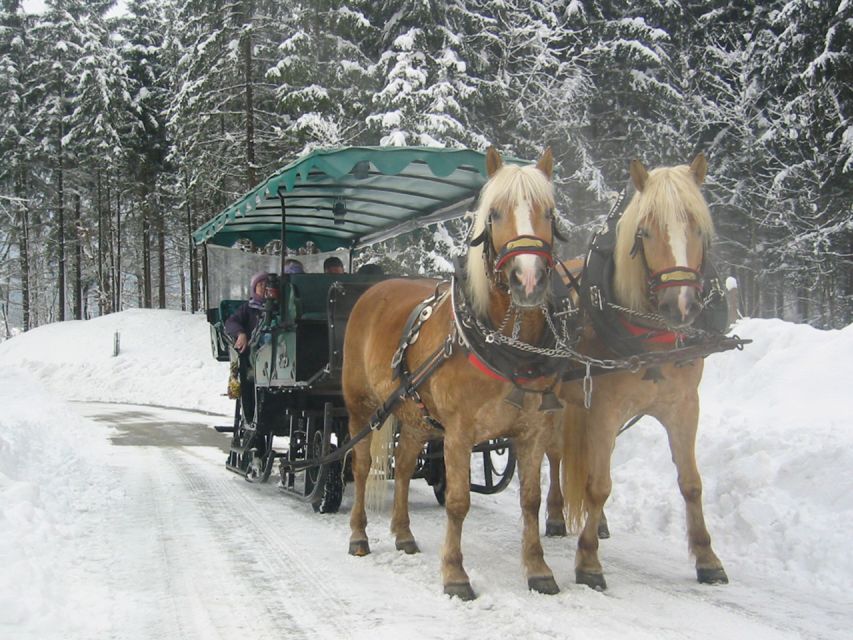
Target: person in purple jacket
point(240, 325)
point(243, 321)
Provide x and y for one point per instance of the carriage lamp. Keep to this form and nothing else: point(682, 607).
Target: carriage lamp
point(339, 210)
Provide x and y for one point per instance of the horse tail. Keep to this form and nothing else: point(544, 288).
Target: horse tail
point(575, 470)
point(381, 450)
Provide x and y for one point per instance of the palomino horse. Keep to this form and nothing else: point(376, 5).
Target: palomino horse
point(506, 277)
point(657, 283)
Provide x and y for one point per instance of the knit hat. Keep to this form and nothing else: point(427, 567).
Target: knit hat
point(258, 277)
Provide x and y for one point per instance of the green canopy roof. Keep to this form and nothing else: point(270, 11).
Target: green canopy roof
point(353, 196)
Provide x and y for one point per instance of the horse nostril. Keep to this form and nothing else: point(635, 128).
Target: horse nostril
point(666, 309)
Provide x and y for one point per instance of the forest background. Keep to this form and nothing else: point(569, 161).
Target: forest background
point(121, 131)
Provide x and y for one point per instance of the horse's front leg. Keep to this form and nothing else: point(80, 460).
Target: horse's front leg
point(530, 449)
point(555, 523)
point(457, 501)
point(405, 461)
point(681, 426)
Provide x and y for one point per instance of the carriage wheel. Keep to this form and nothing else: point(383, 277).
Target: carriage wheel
point(245, 444)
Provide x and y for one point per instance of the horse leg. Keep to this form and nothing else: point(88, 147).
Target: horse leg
point(405, 461)
point(555, 523)
point(358, 545)
point(588, 569)
point(681, 426)
point(457, 501)
point(530, 450)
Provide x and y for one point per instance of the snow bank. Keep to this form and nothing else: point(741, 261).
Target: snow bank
point(775, 449)
point(164, 359)
point(52, 477)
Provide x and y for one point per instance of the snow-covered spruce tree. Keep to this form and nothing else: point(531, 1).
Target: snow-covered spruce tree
point(146, 142)
point(15, 151)
point(423, 71)
point(221, 100)
point(58, 40)
point(322, 76)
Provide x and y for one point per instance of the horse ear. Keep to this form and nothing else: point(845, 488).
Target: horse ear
point(639, 175)
point(493, 161)
point(546, 163)
point(699, 167)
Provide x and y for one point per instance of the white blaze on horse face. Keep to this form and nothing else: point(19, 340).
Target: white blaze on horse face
point(678, 245)
point(526, 262)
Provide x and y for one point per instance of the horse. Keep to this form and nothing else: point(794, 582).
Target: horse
point(410, 322)
point(654, 298)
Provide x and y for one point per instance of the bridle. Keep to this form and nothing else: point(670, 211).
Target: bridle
point(519, 245)
point(675, 276)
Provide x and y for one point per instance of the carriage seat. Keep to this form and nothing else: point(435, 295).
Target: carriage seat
point(317, 320)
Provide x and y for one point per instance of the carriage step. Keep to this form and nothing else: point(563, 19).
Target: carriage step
point(224, 428)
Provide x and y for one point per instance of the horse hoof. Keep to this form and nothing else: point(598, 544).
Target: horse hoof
point(359, 548)
point(461, 590)
point(712, 576)
point(593, 580)
point(555, 528)
point(603, 530)
point(543, 584)
point(407, 546)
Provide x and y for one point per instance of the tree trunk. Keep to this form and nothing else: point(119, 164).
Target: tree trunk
point(191, 250)
point(23, 251)
point(78, 259)
point(161, 257)
point(251, 172)
point(117, 282)
point(146, 257)
point(60, 241)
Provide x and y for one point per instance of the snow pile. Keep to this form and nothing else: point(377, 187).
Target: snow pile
point(164, 359)
point(52, 478)
point(775, 450)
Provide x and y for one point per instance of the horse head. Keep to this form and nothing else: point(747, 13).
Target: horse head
point(513, 233)
point(661, 241)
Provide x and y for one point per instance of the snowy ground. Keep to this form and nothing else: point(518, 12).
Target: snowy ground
point(118, 519)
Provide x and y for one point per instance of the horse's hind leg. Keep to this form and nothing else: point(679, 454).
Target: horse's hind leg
point(530, 450)
point(602, 435)
point(358, 545)
point(405, 461)
point(681, 424)
point(555, 523)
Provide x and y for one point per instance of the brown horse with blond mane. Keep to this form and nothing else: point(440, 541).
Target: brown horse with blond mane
point(506, 284)
point(654, 299)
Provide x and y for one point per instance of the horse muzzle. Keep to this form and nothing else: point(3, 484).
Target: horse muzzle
point(527, 276)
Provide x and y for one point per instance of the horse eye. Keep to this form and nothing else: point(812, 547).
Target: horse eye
point(549, 214)
point(644, 233)
point(494, 214)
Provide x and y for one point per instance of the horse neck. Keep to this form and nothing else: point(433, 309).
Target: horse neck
point(532, 320)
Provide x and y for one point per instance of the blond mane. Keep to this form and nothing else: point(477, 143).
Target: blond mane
point(670, 195)
point(510, 185)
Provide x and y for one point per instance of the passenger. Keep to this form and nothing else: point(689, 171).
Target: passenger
point(371, 269)
point(240, 325)
point(243, 321)
point(333, 264)
point(293, 266)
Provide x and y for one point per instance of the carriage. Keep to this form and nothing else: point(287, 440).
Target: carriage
point(327, 203)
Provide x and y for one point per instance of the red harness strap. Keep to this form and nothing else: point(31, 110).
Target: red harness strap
point(482, 367)
point(652, 336)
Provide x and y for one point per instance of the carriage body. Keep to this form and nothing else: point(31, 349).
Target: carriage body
point(341, 201)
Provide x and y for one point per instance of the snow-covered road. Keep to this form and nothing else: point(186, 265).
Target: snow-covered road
point(119, 521)
point(208, 555)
